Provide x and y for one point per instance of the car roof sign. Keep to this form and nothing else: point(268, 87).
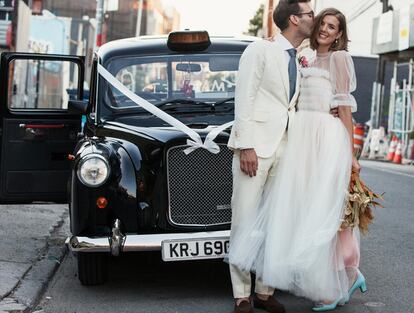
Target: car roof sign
point(186, 41)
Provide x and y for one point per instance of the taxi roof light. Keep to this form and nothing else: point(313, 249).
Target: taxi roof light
point(188, 40)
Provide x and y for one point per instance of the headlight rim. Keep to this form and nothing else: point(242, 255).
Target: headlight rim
point(86, 158)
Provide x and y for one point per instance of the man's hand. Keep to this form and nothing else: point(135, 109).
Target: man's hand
point(334, 112)
point(249, 162)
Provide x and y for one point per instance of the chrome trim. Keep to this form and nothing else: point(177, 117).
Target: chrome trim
point(117, 240)
point(132, 243)
point(169, 199)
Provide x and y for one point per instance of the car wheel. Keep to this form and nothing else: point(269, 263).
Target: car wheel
point(92, 268)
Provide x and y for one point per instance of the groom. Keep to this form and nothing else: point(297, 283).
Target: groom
point(266, 92)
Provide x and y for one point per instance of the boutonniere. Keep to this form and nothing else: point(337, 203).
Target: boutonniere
point(303, 62)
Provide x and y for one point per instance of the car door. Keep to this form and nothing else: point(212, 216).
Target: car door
point(37, 130)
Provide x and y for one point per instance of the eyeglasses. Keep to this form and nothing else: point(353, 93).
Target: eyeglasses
point(311, 14)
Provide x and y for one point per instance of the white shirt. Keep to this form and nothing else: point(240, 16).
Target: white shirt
point(285, 45)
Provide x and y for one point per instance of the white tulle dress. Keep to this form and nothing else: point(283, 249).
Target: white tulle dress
point(294, 244)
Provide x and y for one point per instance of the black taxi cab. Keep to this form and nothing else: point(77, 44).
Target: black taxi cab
point(143, 162)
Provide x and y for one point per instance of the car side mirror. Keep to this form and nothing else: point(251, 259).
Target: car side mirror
point(78, 107)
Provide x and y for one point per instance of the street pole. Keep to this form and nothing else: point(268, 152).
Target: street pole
point(376, 123)
point(384, 6)
point(270, 19)
point(139, 18)
point(99, 21)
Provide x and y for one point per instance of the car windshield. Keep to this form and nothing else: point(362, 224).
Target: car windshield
point(198, 80)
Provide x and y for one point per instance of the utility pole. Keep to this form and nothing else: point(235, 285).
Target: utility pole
point(270, 19)
point(139, 18)
point(384, 6)
point(376, 123)
point(99, 22)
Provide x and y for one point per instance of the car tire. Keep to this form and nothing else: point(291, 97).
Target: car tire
point(92, 268)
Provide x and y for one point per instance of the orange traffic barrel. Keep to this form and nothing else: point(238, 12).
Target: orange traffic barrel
point(391, 150)
point(358, 136)
point(398, 153)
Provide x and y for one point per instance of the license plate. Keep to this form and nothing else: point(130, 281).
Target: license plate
point(194, 249)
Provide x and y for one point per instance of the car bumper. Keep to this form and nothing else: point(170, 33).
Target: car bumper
point(131, 243)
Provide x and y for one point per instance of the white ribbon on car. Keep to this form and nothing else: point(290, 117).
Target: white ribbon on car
point(195, 142)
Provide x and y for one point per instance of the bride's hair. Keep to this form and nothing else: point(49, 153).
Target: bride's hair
point(342, 43)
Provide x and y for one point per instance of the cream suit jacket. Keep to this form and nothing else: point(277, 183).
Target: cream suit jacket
point(262, 107)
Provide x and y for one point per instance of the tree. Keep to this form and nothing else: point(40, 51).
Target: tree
point(256, 23)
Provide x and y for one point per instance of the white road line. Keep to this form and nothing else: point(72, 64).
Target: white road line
point(387, 170)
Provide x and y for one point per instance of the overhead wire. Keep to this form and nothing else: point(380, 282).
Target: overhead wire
point(361, 10)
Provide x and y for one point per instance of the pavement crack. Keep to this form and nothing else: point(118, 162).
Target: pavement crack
point(14, 262)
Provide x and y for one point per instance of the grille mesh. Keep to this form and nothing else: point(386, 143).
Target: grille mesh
point(200, 186)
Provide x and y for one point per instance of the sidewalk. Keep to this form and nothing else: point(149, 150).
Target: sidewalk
point(31, 248)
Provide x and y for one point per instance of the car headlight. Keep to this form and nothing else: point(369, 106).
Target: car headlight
point(93, 170)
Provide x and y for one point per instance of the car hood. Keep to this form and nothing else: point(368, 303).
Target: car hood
point(162, 134)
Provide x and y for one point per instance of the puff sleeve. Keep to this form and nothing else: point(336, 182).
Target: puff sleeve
point(343, 79)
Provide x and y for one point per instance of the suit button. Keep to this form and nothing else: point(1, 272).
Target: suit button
point(290, 109)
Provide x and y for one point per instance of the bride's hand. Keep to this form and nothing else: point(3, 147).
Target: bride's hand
point(355, 165)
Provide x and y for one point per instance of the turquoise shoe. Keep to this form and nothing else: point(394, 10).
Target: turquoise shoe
point(359, 283)
point(322, 307)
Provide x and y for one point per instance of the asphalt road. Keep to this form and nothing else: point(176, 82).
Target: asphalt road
point(142, 283)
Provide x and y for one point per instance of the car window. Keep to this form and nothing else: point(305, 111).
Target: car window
point(146, 77)
point(199, 77)
point(42, 84)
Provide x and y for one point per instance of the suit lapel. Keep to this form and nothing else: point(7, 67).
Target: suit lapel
point(283, 68)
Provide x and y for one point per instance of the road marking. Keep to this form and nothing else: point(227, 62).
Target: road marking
point(387, 170)
point(374, 304)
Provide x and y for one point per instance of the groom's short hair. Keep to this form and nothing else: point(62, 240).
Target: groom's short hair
point(284, 10)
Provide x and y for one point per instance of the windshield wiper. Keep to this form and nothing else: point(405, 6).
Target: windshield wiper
point(181, 101)
point(195, 102)
point(222, 101)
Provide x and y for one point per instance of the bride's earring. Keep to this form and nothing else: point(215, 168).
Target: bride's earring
point(336, 41)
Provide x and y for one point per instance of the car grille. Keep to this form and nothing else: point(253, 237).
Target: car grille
point(199, 186)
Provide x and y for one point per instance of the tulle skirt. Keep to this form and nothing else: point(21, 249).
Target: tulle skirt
point(293, 243)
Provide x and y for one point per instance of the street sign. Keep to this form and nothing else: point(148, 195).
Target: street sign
point(384, 34)
point(392, 31)
point(404, 29)
point(111, 5)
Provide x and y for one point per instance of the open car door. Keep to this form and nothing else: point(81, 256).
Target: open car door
point(36, 129)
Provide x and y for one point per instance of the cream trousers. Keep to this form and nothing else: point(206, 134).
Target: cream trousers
point(247, 192)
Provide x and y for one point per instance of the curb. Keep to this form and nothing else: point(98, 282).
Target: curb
point(383, 160)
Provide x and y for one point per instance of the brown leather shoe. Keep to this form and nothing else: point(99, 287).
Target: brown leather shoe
point(270, 305)
point(243, 307)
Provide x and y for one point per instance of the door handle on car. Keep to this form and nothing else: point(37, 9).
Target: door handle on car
point(41, 126)
point(37, 131)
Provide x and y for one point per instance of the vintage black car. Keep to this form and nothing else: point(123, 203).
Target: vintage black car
point(142, 175)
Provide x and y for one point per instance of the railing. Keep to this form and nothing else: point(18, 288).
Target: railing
point(401, 115)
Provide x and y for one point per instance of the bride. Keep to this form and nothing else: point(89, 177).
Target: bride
point(294, 243)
